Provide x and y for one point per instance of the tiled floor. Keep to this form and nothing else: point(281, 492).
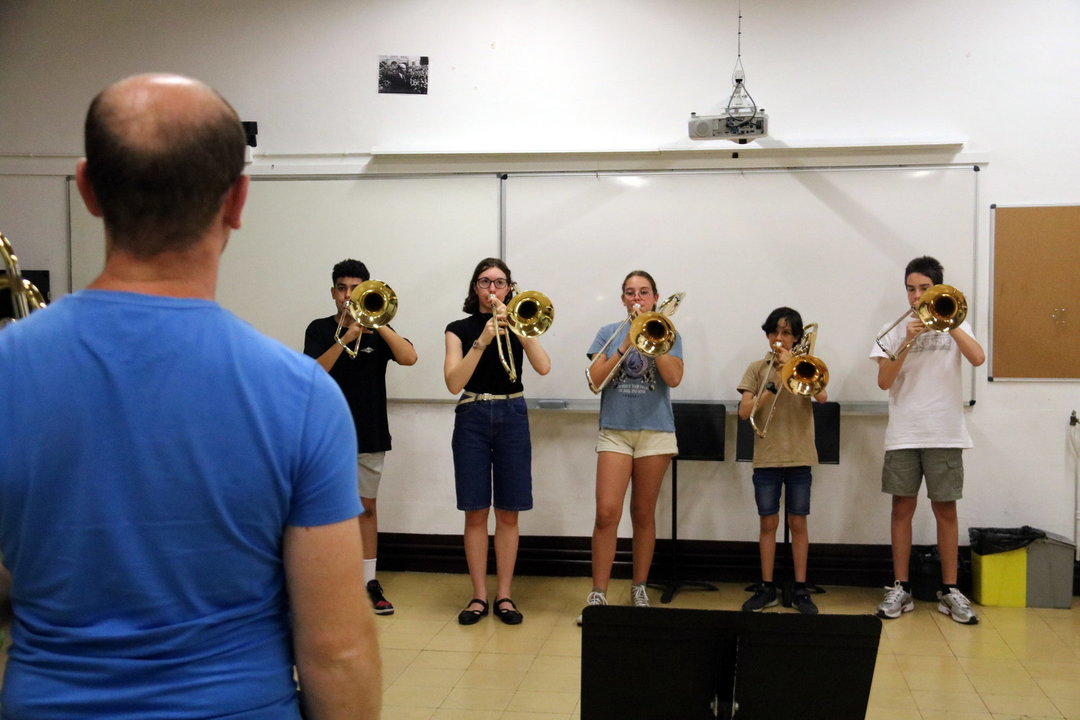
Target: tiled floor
point(1017, 663)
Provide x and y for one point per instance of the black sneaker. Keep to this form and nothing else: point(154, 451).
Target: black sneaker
point(379, 603)
point(802, 602)
point(764, 596)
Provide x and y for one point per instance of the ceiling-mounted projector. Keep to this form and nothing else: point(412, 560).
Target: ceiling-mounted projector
point(742, 120)
point(727, 127)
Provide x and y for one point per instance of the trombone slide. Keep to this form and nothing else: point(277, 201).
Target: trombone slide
point(941, 308)
point(25, 297)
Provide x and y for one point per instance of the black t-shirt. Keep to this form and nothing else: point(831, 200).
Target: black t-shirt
point(362, 380)
point(490, 376)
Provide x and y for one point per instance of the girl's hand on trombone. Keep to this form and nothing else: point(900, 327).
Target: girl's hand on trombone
point(627, 342)
point(498, 316)
point(491, 329)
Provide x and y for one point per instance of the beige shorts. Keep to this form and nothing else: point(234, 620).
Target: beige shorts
point(369, 473)
point(637, 443)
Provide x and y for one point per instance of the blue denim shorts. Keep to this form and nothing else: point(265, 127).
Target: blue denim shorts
point(767, 484)
point(492, 455)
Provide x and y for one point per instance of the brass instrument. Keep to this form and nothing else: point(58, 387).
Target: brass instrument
point(528, 314)
point(25, 297)
point(803, 374)
point(652, 333)
point(941, 308)
point(372, 304)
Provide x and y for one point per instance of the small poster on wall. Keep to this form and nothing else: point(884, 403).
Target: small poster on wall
point(403, 74)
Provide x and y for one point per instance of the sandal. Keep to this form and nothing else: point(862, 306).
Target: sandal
point(508, 616)
point(471, 617)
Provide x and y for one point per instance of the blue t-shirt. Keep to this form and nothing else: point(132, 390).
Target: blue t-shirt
point(153, 451)
point(637, 398)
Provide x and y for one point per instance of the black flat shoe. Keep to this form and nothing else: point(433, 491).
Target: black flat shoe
point(508, 616)
point(471, 617)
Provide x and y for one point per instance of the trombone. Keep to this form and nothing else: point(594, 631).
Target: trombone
point(652, 333)
point(528, 314)
point(803, 374)
point(941, 308)
point(372, 304)
point(25, 297)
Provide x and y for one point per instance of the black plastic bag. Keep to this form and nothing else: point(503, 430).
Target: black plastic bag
point(987, 541)
point(925, 572)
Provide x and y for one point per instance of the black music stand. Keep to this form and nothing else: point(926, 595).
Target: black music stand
point(699, 431)
point(664, 663)
point(827, 442)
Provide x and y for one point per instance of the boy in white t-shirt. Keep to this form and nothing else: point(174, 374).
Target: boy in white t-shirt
point(925, 437)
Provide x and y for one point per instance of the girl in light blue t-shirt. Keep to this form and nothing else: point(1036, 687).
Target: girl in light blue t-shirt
point(637, 437)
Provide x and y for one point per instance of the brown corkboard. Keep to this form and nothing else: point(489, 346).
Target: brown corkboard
point(1036, 308)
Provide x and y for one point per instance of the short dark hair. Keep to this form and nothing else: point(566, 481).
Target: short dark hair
point(472, 300)
point(639, 273)
point(927, 266)
point(163, 198)
point(794, 319)
point(350, 268)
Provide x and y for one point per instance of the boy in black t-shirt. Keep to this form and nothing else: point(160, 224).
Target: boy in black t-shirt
point(362, 379)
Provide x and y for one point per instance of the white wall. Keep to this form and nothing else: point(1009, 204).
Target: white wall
point(607, 75)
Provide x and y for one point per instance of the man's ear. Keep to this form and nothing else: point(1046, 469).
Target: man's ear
point(86, 190)
point(234, 201)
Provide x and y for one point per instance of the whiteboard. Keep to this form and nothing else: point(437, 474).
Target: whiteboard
point(831, 243)
point(421, 235)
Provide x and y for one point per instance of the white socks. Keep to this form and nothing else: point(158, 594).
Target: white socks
point(369, 570)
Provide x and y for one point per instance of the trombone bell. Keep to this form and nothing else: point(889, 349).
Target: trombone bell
point(372, 304)
point(652, 333)
point(805, 375)
point(530, 314)
point(942, 308)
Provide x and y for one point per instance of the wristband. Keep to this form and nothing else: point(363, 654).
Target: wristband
point(619, 350)
point(476, 344)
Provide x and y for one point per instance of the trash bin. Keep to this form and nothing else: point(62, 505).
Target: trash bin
point(1021, 567)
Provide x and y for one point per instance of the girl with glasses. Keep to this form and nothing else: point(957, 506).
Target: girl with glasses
point(636, 443)
point(491, 444)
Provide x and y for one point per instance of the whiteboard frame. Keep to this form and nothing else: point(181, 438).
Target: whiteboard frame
point(849, 407)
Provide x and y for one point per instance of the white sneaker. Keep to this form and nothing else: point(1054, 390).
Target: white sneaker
point(596, 597)
point(956, 606)
point(897, 601)
point(638, 596)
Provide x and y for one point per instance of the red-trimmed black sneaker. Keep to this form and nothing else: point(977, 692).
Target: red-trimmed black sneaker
point(379, 603)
